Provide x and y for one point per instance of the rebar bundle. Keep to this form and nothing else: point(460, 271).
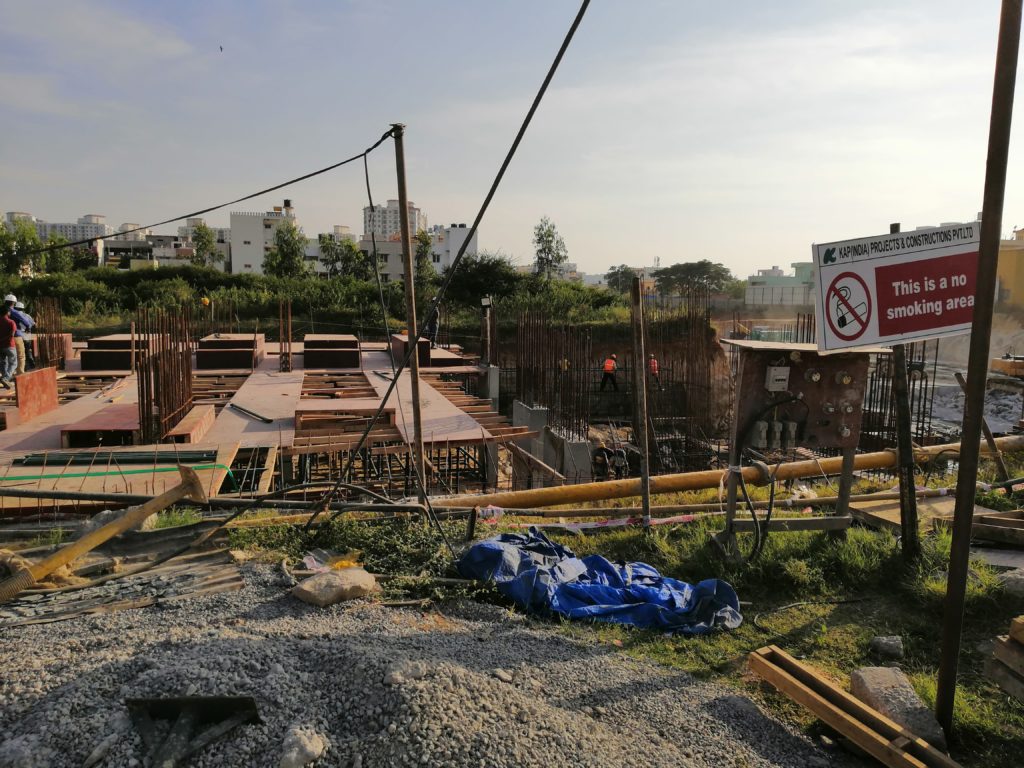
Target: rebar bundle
point(163, 366)
point(284, 335)
point(220, 316)
point(680, 401)
point(553, 371)
point(878, 430)
point(49, 333)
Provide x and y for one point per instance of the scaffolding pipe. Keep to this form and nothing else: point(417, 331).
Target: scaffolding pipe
point(693, 481)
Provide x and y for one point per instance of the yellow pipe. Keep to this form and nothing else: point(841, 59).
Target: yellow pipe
point(692, 481)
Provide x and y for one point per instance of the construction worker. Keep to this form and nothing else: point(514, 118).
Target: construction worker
point(654, 370)
point(600, 460)
point(608, 369)
point(23, 324)
point(27, 334)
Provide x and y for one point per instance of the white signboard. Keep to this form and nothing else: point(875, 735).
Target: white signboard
point(896, 288)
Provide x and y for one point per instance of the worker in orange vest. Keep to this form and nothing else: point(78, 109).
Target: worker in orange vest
point(654, 370)
point(609, 368)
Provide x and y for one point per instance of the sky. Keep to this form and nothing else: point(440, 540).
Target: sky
point(674, 130)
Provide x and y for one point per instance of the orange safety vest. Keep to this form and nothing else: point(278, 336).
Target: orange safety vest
point(652, 366)
point(609, 365)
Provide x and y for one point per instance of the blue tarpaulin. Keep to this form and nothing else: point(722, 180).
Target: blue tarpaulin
point(543, 577)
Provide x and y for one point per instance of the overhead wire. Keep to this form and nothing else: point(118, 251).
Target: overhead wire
point(86, 241)
point(450, 272)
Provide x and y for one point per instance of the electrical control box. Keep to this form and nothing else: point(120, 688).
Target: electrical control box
point(789, 395)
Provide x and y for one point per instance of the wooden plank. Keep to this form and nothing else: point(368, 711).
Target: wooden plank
point(194, 426)
point(1003, 676)
point(267, 476)
point(999, 533)
point(1017, 629)
point(882, 738)
point(1011, 653)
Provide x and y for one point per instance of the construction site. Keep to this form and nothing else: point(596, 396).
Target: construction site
point(509, 536)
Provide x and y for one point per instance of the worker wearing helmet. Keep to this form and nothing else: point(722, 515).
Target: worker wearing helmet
point(611, 365)
point(24, 324)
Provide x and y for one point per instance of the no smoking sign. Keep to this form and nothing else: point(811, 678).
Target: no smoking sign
point(848, 306)
point(896, 288)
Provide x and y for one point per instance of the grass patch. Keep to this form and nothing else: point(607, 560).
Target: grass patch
point(172, 518)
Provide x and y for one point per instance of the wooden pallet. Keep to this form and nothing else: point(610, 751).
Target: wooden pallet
point(880, 737)
point(1006, 667)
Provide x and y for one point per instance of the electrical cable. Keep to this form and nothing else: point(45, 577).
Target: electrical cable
point(450, 273)
point(781, 608)
point(387, 134)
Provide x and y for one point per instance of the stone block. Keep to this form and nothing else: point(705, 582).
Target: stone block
point(332, 587)
point(1013, 582)
point(889, 691)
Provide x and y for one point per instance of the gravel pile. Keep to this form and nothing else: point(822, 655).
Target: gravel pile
point(370, 686)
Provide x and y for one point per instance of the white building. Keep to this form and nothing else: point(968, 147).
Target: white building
point(385, 221)
point(221, 239)
point(220, 234)
point(445, 245)
point(446, 242)
point(343, 232)
point(252, 236)
point(125, 232)
point(88, 226)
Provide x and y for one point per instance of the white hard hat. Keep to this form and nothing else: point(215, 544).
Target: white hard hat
point(10, 297)
point(19, 305)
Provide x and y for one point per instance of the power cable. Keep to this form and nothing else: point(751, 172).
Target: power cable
point(414, 343)
point(274, 188)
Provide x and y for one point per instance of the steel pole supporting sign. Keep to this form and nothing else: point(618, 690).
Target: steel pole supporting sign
point(977, 365)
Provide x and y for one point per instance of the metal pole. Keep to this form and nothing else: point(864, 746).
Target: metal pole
point(977, 365)
point(410, 302)
point(640, 400)
point(905, 446)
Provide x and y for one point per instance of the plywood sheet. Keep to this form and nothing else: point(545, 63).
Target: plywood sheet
point(273, 395)
point(885, 513)
point(442, 421)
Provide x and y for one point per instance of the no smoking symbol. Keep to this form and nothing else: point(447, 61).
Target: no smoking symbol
point(848, 306)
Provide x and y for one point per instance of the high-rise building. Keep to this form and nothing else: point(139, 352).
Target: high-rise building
point(88, 226)
point(385, 221)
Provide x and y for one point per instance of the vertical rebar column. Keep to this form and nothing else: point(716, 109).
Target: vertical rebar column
point(977, 365)
point(398, 132)
point(640, 400)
